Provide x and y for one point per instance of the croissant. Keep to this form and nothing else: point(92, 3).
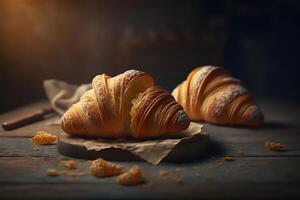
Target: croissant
point(210, 94)
point(125, 105)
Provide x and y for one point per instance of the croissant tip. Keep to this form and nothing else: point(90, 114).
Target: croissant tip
point(183, 121)
point(63, 123)
point(71, 124)
point(254, 116)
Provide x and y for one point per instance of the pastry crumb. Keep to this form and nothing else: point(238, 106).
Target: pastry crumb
point(72, 173)
point(42, 138)
point(68, 164)
point(273, 146)
point(53, 172)
point(163, 173)
point(228, 158)
point(103, 168)
point(133, 176)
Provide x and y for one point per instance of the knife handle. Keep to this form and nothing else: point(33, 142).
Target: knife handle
point(26, 119)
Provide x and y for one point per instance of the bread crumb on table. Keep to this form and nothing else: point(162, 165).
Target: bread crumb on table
point(228, 158)
point(68, 164)
point(72, 173)
point(163, 173)
point(42, 138)
point(103, 168)
point(53, 172)
point(133, 176)
point(273, 146)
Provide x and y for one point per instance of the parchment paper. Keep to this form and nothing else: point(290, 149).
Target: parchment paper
point(153, 151)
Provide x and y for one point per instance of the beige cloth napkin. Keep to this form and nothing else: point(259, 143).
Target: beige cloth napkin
point(62, 95)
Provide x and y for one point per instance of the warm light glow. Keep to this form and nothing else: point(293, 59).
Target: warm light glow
point(51, 33)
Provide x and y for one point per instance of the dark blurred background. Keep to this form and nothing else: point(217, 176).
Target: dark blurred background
point(256, 40)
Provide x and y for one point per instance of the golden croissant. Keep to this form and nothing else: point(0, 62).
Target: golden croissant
point(125, 105)
point(210, 94)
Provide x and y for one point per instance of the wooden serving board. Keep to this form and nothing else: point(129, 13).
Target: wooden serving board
point(186, 149)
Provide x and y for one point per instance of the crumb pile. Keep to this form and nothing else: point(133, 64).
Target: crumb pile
point(68, 164)
point(273, 146)
point(228, 158)
point(133, 176)
point(102, 168)
point(42, 138)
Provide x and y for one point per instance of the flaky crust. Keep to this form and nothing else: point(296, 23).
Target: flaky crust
point(103, 168)
point(210, 94)
point(156, 113)
point(133, 176)
point(104, 111)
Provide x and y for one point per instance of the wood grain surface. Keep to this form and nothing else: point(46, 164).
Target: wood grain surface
point(256, 172)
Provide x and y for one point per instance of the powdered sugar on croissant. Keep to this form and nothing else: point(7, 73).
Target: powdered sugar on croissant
point(210, 94)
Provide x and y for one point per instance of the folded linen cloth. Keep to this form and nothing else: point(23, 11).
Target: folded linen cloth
point(62, 95)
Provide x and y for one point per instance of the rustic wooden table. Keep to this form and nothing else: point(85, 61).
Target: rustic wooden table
point(255, 172)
